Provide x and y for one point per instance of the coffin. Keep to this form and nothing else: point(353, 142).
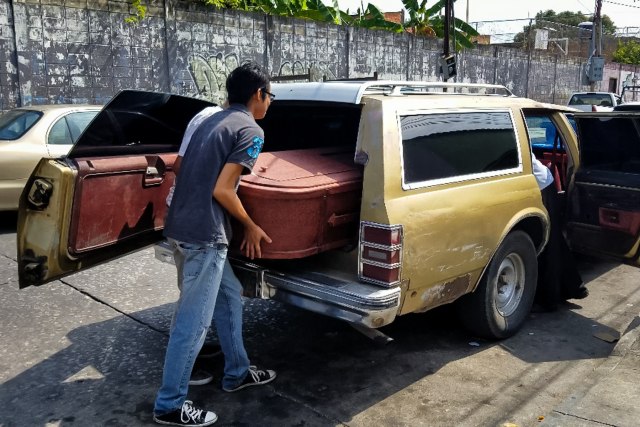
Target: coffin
point(307, 201)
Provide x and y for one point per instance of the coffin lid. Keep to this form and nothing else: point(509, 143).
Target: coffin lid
point(311, 167)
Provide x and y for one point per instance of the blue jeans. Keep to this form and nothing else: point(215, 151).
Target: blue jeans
point(206, 281)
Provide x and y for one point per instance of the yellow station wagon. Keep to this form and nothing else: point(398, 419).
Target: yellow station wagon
point(450, 209)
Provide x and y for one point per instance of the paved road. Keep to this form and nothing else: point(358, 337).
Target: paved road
point(88, 351)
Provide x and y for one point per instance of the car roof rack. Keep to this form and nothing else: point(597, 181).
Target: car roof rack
point(353, 91)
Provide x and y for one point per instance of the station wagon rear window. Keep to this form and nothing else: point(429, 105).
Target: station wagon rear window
point(458, 145)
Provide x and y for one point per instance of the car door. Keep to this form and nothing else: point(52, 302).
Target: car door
point(603, 215)
point(107, 197)
point(66, 131)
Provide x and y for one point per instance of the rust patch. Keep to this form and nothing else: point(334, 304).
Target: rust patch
point(446, 292)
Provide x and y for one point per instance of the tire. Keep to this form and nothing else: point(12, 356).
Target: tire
point(503, 299)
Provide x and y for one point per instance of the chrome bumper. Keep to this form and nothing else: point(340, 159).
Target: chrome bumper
point(362, 304)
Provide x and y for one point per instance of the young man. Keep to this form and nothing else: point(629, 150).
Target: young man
point(199, 375)
point(222, 148)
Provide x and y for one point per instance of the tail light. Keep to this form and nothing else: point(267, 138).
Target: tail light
point(380, 256)
point(593, 108)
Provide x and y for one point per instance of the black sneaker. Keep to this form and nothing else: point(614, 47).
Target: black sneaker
point(254, 377)
point(200, 377)
point(188, 415)
point(209, 350)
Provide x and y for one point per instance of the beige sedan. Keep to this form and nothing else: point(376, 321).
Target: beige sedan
point(29, 133)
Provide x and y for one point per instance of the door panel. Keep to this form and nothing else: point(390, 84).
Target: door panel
point(604, 201)
point(76, 214)
point(114, 201)
point(107, 197)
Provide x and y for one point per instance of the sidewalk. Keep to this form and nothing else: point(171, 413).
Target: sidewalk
point(610, 396)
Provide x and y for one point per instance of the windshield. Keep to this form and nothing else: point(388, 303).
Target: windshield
point(15, 123)
point(600, 99)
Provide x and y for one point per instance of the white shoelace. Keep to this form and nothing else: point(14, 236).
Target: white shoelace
point(255, 373)
point(192, 413)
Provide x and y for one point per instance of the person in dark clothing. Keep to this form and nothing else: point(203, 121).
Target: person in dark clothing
point(558, 275)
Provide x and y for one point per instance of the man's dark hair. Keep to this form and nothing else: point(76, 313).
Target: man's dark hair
point(244, 81)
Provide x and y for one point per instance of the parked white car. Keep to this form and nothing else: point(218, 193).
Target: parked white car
point(594, 101)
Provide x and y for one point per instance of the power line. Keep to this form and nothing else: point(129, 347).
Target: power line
point(621, 4)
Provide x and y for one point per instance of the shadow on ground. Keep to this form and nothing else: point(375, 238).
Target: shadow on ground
point(328, 373)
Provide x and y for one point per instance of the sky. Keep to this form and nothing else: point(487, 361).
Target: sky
point(488, 10)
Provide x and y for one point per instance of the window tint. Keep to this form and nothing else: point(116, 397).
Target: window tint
point(439, 146)
point(602, 100)
point(15, 123)
point(77, 122)
point(610, 144)
point(59, 134)
point(293, 125)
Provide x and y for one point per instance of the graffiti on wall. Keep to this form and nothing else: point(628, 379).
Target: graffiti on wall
point(210, 73)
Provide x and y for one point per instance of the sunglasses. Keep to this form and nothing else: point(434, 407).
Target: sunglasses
point(271, 96)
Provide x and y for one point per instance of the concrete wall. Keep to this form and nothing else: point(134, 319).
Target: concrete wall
point(82, 51)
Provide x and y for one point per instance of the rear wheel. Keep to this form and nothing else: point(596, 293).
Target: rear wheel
point(503, 299)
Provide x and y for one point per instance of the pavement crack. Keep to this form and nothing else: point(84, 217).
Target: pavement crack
point(98, 300)
point(8, 257)
point(311, 408)
point(584, 419)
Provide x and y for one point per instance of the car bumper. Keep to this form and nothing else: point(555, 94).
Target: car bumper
point(358, 303)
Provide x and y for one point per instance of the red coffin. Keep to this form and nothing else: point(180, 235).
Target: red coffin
point(307, 201)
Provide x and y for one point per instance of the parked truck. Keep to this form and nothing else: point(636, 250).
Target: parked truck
point(447, 209)
point(594, 101)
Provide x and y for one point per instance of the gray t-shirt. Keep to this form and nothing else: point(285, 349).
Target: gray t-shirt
point(230, 136)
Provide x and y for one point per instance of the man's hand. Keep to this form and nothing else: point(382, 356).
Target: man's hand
point(253, 236)
point(225, 193)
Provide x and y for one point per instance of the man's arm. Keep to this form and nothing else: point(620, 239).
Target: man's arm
point(225, 193)
point(176, 165)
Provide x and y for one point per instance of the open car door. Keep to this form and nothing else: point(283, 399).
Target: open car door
point(107, 197)
point(604, 198)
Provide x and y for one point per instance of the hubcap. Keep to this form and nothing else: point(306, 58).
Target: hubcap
point(509, 284)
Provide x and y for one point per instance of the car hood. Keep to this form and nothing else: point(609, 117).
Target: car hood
point(138, 122)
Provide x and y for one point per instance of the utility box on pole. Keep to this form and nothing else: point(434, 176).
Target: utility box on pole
point(596, 69)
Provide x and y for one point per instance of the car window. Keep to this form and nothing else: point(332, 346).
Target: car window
point(59, 133)
point(78, 122)
point(602, 99)
point(543, 133)
point(610, 144)
point(15, 123)
point(442, 146)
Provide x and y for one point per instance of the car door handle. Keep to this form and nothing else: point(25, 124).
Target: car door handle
point(154, 174)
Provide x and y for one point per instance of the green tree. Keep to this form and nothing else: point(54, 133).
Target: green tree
point(564, 18)
point(430, 22)
point(627, 52)
point(422, 20)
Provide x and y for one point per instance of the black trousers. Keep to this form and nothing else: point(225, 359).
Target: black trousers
point(558, 275)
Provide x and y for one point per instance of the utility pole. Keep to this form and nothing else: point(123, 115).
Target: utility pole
point(597, 63)
point(447, 26)
point(597, 28)
point(448, 61)
point(467, 21)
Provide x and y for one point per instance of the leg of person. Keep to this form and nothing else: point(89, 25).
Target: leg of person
point(199, 375)
point(238, 373)
point(572, 284)
point(548, 291)
point(202, 268)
